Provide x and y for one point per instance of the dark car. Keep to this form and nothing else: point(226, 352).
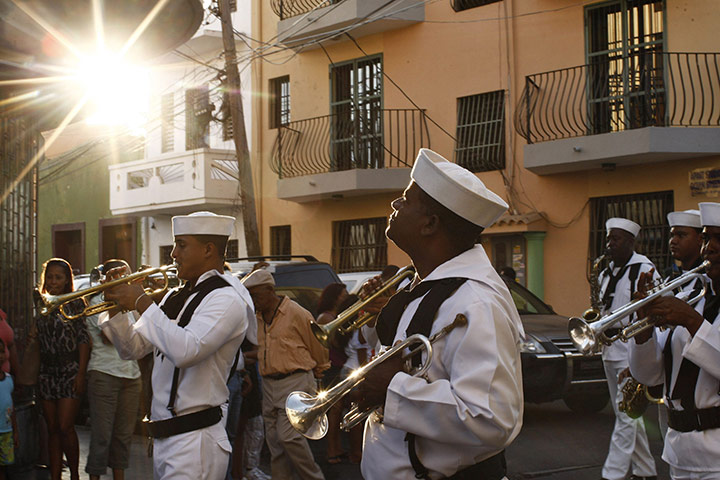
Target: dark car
point(552, 367)
point(300, 277)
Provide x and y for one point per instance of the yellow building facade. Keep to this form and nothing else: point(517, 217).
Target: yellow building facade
point(571, 111)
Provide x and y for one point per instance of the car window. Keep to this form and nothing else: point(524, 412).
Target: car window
point(306, 277)
point(525, 301)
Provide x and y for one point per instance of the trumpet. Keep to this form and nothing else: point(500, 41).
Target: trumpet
point(589, 337)
point(308, 413)
point(344, 322)
point(49, 303)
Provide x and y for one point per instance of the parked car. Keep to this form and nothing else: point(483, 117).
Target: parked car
point(552, 367)
point(354, 280)
point(301, 277)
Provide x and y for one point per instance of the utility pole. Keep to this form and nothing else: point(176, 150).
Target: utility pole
point(247, 193)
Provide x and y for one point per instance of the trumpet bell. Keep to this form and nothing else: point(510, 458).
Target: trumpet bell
point(306, 416)
point(582, 335)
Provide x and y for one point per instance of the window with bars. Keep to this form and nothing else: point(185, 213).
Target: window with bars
point(165, 251)
point(356, 130)
point(624, 53)
point(198, 112)
point(480, 145)
point(460, 5)
point(359, 245)
point(280, 243)
point(279, 101)
point(226, 118)
point(167, 126)
point(649, 210)
point(232, 249)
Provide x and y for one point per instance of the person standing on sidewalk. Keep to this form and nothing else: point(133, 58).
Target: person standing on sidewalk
point(113, 394)
point(196, 334)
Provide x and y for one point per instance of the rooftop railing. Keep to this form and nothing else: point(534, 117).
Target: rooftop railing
point(353, 139)
point(621, 93)
point(292, 8)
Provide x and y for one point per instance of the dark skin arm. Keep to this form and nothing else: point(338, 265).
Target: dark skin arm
point(373, 390)
point(84, 354)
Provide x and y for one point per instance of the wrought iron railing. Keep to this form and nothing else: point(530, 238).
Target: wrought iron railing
point(354, 139)
point(292, 8)
point(621, 93)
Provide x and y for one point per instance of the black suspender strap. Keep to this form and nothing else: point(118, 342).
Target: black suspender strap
point(203, 289)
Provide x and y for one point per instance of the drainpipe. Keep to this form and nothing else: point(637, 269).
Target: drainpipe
point(145, 241)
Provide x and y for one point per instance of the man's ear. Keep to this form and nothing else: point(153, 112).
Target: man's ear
point(209, 250)
point(431, 225)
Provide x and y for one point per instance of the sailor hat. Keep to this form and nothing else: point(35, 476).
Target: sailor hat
point(623, 224)
point(687, 218)
point(203, 223)
point(457, 189)
point(257, 278)
point(710, 214)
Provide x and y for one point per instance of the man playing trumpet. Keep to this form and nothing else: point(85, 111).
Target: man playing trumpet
point(455, 421)
point(687, 360)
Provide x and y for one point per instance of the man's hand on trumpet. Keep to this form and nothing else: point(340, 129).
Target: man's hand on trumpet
point(128, 296)
point(372, 391)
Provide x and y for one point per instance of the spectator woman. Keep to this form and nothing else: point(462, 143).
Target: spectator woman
point(64, 353)
point(328, 308)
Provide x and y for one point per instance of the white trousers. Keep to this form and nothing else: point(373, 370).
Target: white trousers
point(628, 444)
point(199, 455)
point(681, 474)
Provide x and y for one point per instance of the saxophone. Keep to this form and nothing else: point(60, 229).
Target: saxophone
point(636, 398)
point(593, 313)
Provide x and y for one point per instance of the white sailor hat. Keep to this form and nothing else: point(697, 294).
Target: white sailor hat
point(623, 224)
point(686, 218)
point(457, 189)
point(203, 223)
point(257, 278)
point(710, 214)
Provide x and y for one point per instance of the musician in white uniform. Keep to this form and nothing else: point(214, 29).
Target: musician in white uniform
point(690, 365)
point(629, 447)
point(685, 243)
point(196, 335)
point(458, 420)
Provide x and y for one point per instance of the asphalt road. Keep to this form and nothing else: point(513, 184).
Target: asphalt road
point(554, 444)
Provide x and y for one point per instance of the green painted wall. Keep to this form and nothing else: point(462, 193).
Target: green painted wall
point(77, 190)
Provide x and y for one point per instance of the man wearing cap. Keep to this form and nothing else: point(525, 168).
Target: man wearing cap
point(689, 364)
point(288, 357)
point(629, 447)
point(685, 243)
point(196, 334)
point(456, 420)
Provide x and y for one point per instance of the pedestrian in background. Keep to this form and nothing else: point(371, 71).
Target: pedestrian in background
point(8, 427)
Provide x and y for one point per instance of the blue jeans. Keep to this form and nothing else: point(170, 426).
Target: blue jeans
point(233, 415)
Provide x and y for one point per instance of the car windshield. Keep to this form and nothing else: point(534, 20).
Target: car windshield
point(526, 302)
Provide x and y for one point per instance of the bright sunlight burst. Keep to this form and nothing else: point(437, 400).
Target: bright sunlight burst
point(117, 92)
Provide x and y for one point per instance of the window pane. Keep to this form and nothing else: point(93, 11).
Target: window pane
point(359, 245)
point(480, 133)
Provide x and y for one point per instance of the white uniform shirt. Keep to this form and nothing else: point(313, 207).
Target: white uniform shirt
point(693, 451)
point(204, 350)
point(473, 408)
point(618, 351)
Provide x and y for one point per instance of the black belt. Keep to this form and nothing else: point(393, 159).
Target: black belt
point(183, 423)
point(493, 468)
point(690, 420)
point(280, 376)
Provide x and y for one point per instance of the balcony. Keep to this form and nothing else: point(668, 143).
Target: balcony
point(174, 183)
point(357, 152)
point(307, 24)
point(621, 111)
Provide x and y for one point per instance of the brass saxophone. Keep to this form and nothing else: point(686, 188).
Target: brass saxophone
point(593, 313)
point(636, 398)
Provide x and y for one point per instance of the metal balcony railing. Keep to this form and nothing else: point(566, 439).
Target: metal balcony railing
point(354, 139)
point(292, 8)
point(621, 93)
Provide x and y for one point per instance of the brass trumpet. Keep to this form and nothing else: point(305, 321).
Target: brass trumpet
point(49, 303)
point(308, 413)
point(344, 322)
point(589, 337)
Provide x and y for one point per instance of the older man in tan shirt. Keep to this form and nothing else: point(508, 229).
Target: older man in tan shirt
point(289, 356)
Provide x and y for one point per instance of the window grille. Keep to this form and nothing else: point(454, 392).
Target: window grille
point(279, 101)
point(626, 84)
point(280, 240)
point(359, 245)
point(165, 251)
point(226, 118)
point(460, 5)
point(480, 135)
point(197, 117)
point(649, 210)
point(167, 126)
point(356, 114)
point(232, 249)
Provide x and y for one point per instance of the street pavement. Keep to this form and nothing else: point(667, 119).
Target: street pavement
point(554, 444)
